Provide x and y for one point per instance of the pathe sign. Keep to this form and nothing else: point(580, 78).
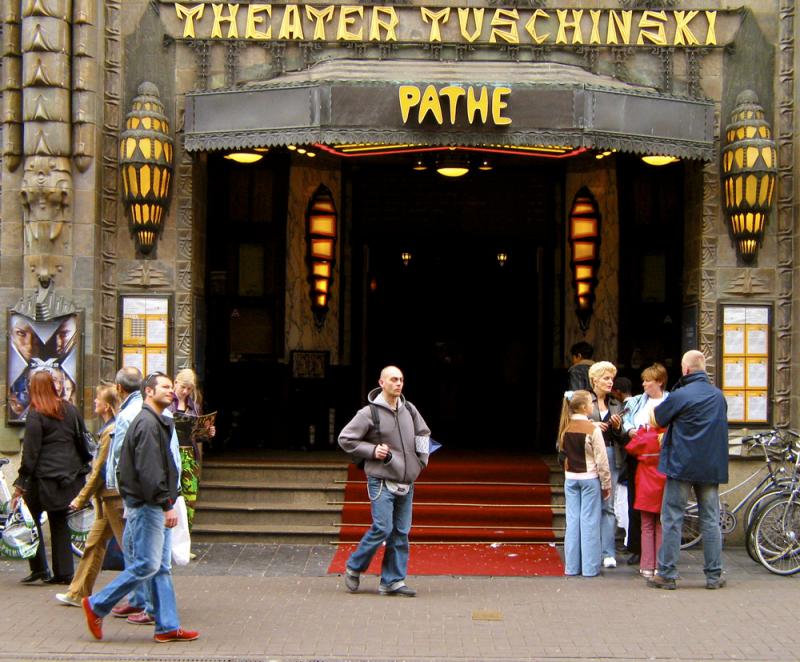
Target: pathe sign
point(461, 101)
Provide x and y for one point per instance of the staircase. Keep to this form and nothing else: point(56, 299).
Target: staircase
point(286, 498)
point(469, 498)
point(300, 498)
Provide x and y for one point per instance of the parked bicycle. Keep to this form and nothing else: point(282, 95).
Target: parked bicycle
point(775, 477)
point(776, 534)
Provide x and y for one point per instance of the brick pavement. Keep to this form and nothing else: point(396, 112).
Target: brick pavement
point(274, 602)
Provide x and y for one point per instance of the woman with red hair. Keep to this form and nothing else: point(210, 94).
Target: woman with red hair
point(54, 465)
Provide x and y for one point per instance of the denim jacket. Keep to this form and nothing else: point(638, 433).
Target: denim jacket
point(631, 408)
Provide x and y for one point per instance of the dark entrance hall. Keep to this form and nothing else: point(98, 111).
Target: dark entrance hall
point(470, 332)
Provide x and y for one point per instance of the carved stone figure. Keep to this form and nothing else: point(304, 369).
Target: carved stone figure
point(46, 197)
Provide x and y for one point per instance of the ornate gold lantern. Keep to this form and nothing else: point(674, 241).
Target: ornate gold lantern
point(584, 240)
point(748, 173)
point(145, 155)
point(321, 235)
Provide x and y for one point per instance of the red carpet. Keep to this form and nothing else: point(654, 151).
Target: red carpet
point(496, 507)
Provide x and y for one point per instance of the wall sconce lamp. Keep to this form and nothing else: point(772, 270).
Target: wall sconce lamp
point(419, 165)
point(405, 256)
point(485, 165)
point(502, 258)
point(145, 161)
point(584, 239)
point(749, 162)
point(321, 238)
point(452, 165)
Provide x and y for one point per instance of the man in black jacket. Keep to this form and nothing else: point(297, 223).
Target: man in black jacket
point(148, 480)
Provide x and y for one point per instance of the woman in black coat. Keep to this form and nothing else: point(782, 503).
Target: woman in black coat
point(53, 470)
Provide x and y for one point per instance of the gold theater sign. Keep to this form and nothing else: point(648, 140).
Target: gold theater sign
point(467, 25)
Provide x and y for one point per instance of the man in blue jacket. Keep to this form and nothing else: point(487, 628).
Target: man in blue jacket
point(694, 454)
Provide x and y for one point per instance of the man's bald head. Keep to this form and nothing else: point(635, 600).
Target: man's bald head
point(693, 361)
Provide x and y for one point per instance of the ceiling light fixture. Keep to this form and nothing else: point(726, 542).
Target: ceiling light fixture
point(659, 160)
point(452, 165)
point(244, 157)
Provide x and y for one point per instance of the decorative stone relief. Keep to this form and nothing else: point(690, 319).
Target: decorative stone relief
point(184, 288)
point(84, 83)
point(11, 85)
point(46, 200)
point(748, 282)
point(143, 274)
point(707, 323)
point(44, 305)
point(111, 208)
point(46, 189)
point(786, 210)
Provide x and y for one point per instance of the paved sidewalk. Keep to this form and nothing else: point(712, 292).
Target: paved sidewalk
point(275, 602)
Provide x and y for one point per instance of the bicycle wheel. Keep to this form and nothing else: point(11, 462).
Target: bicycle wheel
point(690, 534)
point(776, 537)
point(760, 501)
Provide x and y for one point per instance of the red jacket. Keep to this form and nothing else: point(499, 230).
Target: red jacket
point(649, 480)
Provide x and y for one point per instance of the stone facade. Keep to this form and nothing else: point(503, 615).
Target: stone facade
point(117, 45)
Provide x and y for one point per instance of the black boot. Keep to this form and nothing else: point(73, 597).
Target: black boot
point(44, 575)
point(58, 579)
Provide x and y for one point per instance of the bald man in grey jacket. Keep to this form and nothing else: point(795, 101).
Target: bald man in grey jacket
point(394, 451)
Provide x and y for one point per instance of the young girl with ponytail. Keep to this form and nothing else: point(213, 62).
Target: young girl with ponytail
point(587, 480)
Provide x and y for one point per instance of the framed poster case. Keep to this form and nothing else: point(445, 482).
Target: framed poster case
point(55, 345)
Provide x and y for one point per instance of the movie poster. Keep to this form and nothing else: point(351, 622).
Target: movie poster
point(54, 346)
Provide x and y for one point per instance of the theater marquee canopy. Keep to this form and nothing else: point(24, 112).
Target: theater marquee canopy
point(468, 104)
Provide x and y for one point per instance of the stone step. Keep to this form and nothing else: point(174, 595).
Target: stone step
point(265, 533)
point(224, 513)
point(265, 471)
point(257, 492)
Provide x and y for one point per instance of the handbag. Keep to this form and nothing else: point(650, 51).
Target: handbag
point(87, 444)
point(181, 540)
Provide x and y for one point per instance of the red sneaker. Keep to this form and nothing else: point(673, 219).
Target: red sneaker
point(124, 610)
point(94, 621)
point(142, 618)
point(176, 635)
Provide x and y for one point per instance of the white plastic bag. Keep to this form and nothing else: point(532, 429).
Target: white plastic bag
point(20, 538)
point(181, 542)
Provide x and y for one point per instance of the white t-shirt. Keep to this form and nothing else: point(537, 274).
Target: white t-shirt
point(642, 417)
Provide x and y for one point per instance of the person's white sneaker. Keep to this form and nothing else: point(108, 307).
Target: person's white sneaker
point(67, 599)
point(609, 562)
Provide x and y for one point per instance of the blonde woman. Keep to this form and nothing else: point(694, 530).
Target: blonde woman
point(607, 415)
point(108, 504)
point(186, 401)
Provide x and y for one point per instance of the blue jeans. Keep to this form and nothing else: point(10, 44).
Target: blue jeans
point(142, 595)
point(150, 544)
point(608, 520)
point(391, 523)
point(582, 539)
point(676, 496)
